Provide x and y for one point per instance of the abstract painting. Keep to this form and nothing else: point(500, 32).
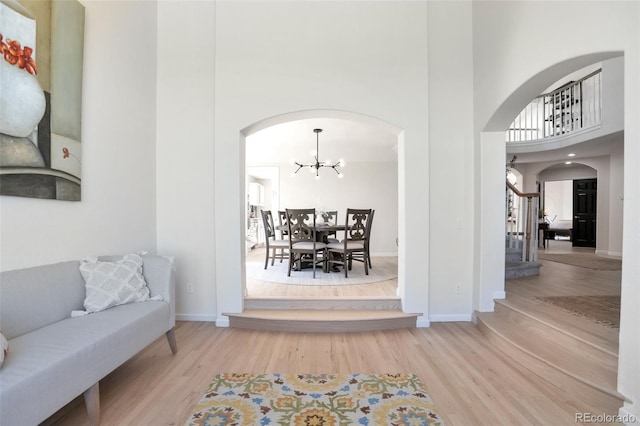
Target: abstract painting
point(41, 56)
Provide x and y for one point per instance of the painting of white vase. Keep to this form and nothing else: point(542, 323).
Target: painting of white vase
point(41, 54)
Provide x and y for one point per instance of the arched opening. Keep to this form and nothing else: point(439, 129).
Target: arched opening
point(493, 154)
point(283, 137)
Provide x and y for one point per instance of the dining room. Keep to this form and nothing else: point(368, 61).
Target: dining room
point(329, 165)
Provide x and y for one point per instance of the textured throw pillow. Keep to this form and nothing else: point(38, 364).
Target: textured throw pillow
point(111, 284)
point(4, 348)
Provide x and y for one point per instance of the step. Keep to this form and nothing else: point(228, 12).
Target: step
point(306, 303)
point(568, 362)
point(602, 337)
point(513, 254)
point(320, 320)
point(521, 269)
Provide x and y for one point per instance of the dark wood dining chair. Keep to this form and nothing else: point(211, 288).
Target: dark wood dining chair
point(271, 243)
point(332, 217)
point(284, 229)
point(303, 240)
point(354, 245)
point(368, 254)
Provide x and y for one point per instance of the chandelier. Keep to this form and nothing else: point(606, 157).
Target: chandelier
point(318, 165)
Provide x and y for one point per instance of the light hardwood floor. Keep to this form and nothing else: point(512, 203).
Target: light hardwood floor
point(471, 381)
point(557, 279)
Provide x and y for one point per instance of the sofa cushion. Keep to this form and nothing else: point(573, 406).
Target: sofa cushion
point(114, 283)
point(34, 297)
point(71, 355)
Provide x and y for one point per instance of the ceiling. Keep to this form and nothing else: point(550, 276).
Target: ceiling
point(340, 139)
point(596, 147)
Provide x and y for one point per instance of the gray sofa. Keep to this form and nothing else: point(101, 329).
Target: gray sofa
point(52, 357)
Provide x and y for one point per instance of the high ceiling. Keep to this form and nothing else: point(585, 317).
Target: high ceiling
point(340, 139)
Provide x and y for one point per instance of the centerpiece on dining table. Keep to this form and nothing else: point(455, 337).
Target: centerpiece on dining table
point(325, 218)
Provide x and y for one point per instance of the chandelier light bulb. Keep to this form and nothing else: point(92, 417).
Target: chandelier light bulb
point(340, 175)
point(317, 177)
point(292, 174)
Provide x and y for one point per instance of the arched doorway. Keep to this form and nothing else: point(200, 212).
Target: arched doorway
point(491, 172)
point(291, 125)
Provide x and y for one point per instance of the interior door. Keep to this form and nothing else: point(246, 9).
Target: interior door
point(584, 212)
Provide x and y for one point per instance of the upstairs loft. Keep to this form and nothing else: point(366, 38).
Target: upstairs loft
point(587, 105)
point(575, 106)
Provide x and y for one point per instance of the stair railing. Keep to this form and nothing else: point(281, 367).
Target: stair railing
point(522, 221)
point(575, 106)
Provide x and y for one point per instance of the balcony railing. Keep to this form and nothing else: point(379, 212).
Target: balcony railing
point(572, 107)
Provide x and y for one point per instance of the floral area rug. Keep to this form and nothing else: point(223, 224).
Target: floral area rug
point(315, 399)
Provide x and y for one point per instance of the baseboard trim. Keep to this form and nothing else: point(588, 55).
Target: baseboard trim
point(628, 417)
point(195, 317)
point(497, 295)
point(222, 321)
point(608, 253)
point(422, 322)
point(451, 318)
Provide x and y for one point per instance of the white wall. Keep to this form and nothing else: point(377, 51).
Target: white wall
point(117, 213)
point(616, 201)
point(367, 58)
point(506, 79)
point(558, 200)
point(450, 168)
point(365, 185)
point(185, 145)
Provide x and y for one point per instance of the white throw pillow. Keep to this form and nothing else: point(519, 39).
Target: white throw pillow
point(4, 348)
point(111, 284)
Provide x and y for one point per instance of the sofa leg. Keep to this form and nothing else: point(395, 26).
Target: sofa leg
point(171, 338)
point(92, 401)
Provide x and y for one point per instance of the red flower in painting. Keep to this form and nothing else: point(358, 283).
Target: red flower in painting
point(13, 53)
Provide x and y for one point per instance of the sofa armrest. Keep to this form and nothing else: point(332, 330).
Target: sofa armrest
point(160, 274)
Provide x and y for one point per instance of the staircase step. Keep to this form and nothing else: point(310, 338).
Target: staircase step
point(560, 358)
point(602, 337)
point(344, 303)
point(513, 254)
point(321, 320)
point(521, 269)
